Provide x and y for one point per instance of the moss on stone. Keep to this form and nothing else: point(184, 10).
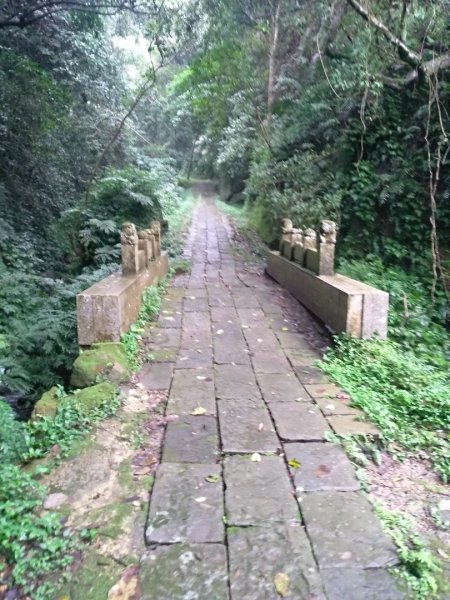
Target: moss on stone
point(93, 580)
point(48, 404)
point(103, 362)
point(92, 398)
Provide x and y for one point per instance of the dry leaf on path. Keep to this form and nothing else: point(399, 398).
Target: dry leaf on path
point(255, 457)
point(322, 471)
point(201, 499)
point(294, 463)
point(281, 581)
point(198, 411)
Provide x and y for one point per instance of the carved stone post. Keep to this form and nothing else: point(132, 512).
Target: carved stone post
point(287, 230)
point(130, 249)
point(311, 256)
point(327, 247)
point(146, 243)
point(155, 228)
point(288, 247)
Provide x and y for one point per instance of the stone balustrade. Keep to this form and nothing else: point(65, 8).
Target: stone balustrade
point(304, 265)
point(107, 309)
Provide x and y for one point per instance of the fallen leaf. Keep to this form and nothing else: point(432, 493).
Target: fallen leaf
point(343, 396)
point(255, 457)
point(281, 581)
point(294, 463)
point(346, 555)
point(259, 340)
point(212, 478)
point(201, 377)
point(322, 470)
point(201, 499)
point(219, 332)
point(330, 406)
point(198, 411)
point(128, 587)
point(260, 426)
point(285, 329)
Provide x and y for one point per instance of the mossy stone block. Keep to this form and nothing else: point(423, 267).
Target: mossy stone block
point(91, 398)
point(107, 361)
point(47, 405)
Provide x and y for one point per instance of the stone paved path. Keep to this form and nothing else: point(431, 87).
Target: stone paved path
point(222, 525)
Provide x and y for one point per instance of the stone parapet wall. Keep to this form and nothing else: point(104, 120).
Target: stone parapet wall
point(107, 309)
point(343, 304)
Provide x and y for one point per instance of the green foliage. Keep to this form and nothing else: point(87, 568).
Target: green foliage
point(403, 383)
point(32, 543)
point(12, 435)
point(419, 567)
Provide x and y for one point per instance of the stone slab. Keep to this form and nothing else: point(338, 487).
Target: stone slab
point(107, 309)
point(344, 304)
point(219, 297)
point(191, 389)
point(348, 424)
point(293, 341)
point(156, 376)
point(223, 314)
point(323, 390)
point(251, 316)
point(258, 493)
point(199, 292)
point(270, 362)
point(282, 388)
point(301, 358)
point(195, 358)
point(163, 337)
point(299, 421)
point(309, 374)
point(235, 381)
point(260, 338)
point(162, 355)
point(323, 467)
point(182, 571)
point(229, 345)
point(245, 426)
point(184, 506)
point(192, 304)
point(259, 554)
point(337, 406)
point(345, 533)
point(170, 318)
point(357, 584)
point(191, 439)
point(244, 299)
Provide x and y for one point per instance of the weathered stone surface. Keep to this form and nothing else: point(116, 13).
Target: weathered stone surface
point(337, 406)
point(323, 390)
point(259, 555)
point(348, 424)
point(344, 304)
point(156, 376)
point(192, 304)
point(185, 507)
point(219, 297)
point(357, 584)
point(162, 355)
point(245, 426)
point(229, 346)
point(191, 439)
point(344, 531)
point(170, 318)
point(252, 316)
point(309, 374)
point(258, 493)
point(244, 299)
point(323, 467)
point(195, 358)
point(301, 358)
point(164, 337)
point(235, 381)
point(105, 361)
point(293, 341)
point(283, 387)
point(199, 292)
point(191, 389)
point(109, 307)
point(298, 422)
point(223, 314)
point(47, 405)
point(261, 338)
point(182, 571)
point(270, 362)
